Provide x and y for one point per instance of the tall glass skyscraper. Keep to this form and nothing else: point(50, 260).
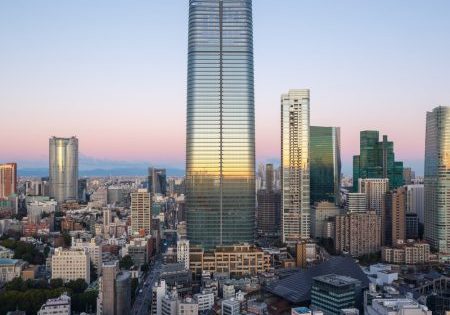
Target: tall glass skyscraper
point(296, 216)
point(220, 141)
point(325, 160)
point(376, 160)
point(437, 179)
point(63, 168)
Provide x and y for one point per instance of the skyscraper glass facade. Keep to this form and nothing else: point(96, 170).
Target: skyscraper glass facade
point(220, 142)
point(376, 160)
point(437, 179)
point(325, 164)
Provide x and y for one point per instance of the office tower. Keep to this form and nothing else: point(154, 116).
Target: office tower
point(408, 175)
point(141, 215)
point(183, 252)
point(376, 160)
point(437, 179)
point(375, 190)
point(325, 164)
point(295, 205)
point(357, 233)
point(412, 226)
point(415, 200)
point(157, 181)
point(220, 141)
point(8, 180)
point(82, 190)
point(332, 293)
point(269, 177)
point(63, 168)
point(321, 213)
point(268, 219)
point(395, 217)
point(356, 202)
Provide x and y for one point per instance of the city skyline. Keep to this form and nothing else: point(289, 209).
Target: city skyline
point(115, 66)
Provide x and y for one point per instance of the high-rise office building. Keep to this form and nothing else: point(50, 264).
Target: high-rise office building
point(376, 160)
point(269, 177)
point(437, 179)
point(355, 202)
point(157, 181)
point(295, 203)
point(395, 217)
point(375, 190)
point(63, 168)
point(325, 164)
point(141, 214)
point(408, 175)
point(415, 200)
point(8, 180)
point(220, 140)
point(268, 218)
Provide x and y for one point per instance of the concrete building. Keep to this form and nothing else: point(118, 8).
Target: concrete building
point(183, 252)
point(8, 180)
point(205, 300)
point(141, 212)
point(269, 213)
point(305, 253)
point(412, 226)
point(358, 233)
point(228, 291)
point(188, 307)
point(159, 291)
point(407, 254)
point(10, 269)
point(237, 260)
point(58, 306)
point(415, 200)
point(321, 213)
point(437, 179)
point(139, 249)
point(63, 169)
point(295, 179)
point(332, 293)
point(403, 306)
point(375, 190)
point(356, 203)
point(71, 264)
point(394, 226)
point(35, 209)
point(231, 307)
point(94, 251)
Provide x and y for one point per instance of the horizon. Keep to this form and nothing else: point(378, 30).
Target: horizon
point(104, 81)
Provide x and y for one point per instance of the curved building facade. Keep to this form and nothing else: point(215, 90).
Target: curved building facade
point(220, 142)
point(63, 168)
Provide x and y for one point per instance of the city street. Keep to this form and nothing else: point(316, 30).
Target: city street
point(143, 299)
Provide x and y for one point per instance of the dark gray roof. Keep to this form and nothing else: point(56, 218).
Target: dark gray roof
point(297, 287)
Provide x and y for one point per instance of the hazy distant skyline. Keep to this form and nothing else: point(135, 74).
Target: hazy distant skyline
point(113, 73)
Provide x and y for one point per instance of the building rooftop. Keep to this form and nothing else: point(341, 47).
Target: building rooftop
point(8, 261)
point(336, 280)
point(302, 310)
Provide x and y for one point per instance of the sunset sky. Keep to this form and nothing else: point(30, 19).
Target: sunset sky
point(113, 73)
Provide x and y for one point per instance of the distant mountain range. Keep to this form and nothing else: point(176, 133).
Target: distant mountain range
point(119, 171)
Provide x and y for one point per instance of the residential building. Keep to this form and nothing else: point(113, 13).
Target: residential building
point(394, 227)
point(437, 179)
point(159, 291)
point(63, 169)
point(91, 247)
point(357, 233)
point(376, 160)
point(408, 175)
point(305, 253)
point(237, 260)
point(295, 178)
point(323, 212)
point(375, 190)
point(10, 269)
point(140, 250)
point(325, 164)
point(183, 252)
point(205, 300)
point(220, 139)
point(415, 200)
point(8, 180)
point(231, 307)
point(332, 293)
point(409, 254)
point(141, 212)
point(58, 306)
point(396, 306)
point(356, 203)
point(169, 304)
point(71, 264)
point(188, 307)
point(228, 291)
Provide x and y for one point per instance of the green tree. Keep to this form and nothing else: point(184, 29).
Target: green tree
point(67, 239)
point(77, 286)
point(126, 262)
point(56, 283)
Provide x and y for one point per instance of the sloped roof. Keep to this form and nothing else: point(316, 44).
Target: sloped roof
point(297, 287)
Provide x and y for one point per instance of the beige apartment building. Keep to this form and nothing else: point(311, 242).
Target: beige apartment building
point(408, 254)
point(238, 260)
point(71, 264)
point(141, 214)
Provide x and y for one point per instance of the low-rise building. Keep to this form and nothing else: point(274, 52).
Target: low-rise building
point(94, 251)
point(188, 307)
point(410, 254)
point(231, 307)
point(205, 300)
point(396, 307)
point(58, 306)
point(10, 269)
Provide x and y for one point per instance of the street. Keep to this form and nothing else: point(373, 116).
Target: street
point(143, 299)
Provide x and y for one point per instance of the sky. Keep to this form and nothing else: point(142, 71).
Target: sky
point(113, 73)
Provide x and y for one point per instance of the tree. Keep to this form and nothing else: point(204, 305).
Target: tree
point(56, 283)
point(77, 286)
point(126, 262)
point(67, 239)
